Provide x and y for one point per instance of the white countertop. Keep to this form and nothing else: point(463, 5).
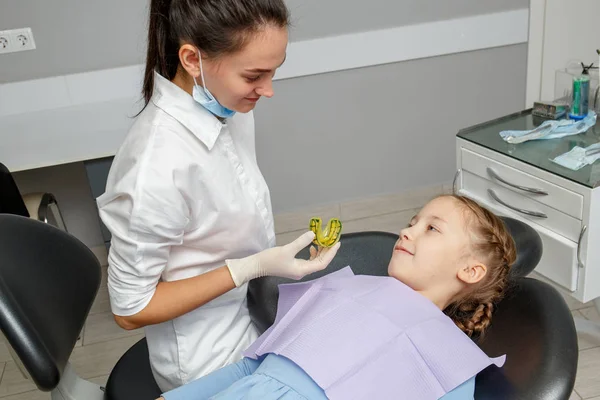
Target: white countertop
point(64, 135)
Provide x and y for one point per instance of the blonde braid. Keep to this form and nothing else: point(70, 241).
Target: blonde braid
point(493, 244)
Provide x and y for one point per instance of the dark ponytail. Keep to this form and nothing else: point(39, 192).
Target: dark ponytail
point(216, 27)
point(161, 47)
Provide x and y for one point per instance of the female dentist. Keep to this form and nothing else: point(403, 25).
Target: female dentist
point(187, 206)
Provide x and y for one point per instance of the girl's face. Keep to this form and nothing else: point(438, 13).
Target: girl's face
point(432, 254)
point(239, 80)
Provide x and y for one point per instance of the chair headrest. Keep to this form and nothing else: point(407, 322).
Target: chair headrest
point(529, 246)
point(369, 253)
point(48, 282)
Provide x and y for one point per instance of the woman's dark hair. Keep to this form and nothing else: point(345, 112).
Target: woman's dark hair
point(216, 27)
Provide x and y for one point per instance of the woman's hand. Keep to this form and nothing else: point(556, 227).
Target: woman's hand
point(317, 253)
point(281, 261)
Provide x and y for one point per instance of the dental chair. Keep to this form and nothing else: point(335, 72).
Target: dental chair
point(49, 279)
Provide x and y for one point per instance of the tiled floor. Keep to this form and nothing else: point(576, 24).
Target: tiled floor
point(103, 342)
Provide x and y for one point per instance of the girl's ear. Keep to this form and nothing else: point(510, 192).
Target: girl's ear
point(472, 272)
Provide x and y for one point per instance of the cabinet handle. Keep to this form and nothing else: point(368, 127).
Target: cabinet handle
point(458, 172)
point(522, 211)
point(494, 175)
point(579, 262)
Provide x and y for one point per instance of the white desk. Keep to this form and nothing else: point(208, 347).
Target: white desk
point(65, 135)
point(90, 133)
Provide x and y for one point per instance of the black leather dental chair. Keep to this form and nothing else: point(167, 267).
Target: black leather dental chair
point(48, 281)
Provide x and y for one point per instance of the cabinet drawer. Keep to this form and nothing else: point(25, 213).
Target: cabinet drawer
point(557, 197)
point(511, 201)
point(559, 257)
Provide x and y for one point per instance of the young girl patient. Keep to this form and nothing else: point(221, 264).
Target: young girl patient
point(405, 336)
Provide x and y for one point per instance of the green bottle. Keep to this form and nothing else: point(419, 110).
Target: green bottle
point(581, 93)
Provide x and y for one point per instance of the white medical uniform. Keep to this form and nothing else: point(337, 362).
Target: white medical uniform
point(185, 193)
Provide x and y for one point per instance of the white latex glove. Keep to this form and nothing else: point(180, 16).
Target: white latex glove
point(281, 261)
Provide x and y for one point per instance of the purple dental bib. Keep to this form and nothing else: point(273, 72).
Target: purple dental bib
point(370, 337)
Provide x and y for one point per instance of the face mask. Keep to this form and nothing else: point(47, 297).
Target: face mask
point(579, 157)
point(206, 99)
point(551, 129)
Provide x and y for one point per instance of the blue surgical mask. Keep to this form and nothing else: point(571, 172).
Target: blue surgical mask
point(579, 157)
point(206, 99)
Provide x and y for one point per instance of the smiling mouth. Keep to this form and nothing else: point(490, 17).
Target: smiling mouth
point(402, 249)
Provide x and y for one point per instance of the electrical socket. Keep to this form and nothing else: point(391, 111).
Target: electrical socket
point(5, 42)
point(16, 40)
point(23, 39)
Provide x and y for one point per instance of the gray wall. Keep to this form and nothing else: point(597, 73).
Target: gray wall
point(324, 138)
point(387, 128)
point(85, 35)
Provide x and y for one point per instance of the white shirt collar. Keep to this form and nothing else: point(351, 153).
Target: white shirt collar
point(180, 105)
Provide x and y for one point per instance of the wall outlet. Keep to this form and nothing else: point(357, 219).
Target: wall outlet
point(23, 39)
point(16, 40)
point(5, 42)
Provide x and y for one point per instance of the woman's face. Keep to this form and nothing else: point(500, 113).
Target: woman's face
point(239, 80)
point(432, 253)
